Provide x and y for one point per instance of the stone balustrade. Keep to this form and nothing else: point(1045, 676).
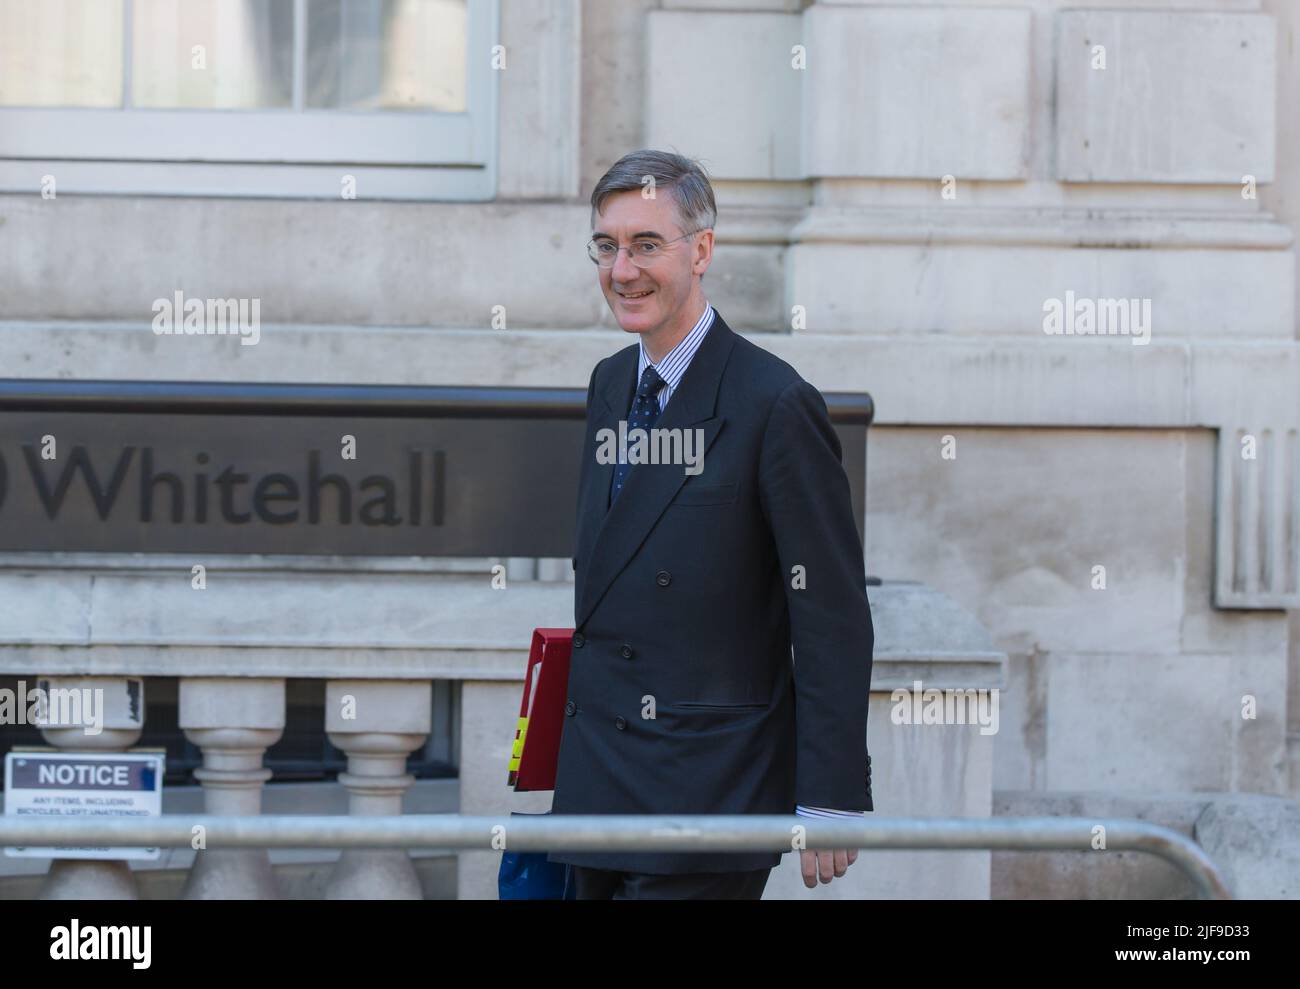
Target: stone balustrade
point(377, 718)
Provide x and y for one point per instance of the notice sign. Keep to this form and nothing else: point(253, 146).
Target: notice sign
point(55, 784)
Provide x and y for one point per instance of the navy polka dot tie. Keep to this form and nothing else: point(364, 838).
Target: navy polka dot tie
point(645, 412)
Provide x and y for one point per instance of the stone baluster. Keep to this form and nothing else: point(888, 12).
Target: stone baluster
point(377, 723)
point(233, 720)
point(120, 704)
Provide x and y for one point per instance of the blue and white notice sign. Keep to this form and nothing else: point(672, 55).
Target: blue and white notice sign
point(60, 784)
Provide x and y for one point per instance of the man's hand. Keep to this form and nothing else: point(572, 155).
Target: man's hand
point(825, 863)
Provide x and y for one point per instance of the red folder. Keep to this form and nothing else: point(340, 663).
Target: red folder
point(541, 711)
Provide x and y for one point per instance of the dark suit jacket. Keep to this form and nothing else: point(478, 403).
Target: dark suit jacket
point(685, 609)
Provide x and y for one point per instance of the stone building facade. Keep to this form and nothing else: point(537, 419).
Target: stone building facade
point(907, 193)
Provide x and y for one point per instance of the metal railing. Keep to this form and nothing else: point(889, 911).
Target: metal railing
point(608, 833)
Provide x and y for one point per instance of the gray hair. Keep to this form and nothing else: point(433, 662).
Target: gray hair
point(692, 193)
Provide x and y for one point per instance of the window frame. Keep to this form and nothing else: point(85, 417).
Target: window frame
point(302, 153)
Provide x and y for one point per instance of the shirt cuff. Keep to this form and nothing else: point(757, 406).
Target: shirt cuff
point(803, 811)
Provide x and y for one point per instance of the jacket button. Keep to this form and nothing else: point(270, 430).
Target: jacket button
point(578, 640)
point(663, 578)
point(570, 708)
point(626, 651)
point(620, 723)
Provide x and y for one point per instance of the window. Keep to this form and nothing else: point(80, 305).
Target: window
point(249, 97)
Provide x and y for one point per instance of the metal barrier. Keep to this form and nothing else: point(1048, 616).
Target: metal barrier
point(607, 832)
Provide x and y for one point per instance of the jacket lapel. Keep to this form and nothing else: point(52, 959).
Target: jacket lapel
point(621, 529)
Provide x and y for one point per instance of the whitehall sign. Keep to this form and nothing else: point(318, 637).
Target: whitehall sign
point(174, 467)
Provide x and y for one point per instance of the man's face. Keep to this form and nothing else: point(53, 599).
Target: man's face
point(669, 279)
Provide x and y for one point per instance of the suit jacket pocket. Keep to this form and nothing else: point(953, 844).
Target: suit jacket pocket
point(706, 494)
point(704, 706)
point(699, 718)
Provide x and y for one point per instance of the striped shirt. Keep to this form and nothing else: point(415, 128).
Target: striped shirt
point(671, 369)
point(675, 362)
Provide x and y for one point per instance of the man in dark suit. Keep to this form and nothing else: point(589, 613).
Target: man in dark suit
point(696, 579)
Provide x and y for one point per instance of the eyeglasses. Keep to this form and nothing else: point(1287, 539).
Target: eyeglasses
point(642, 252)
